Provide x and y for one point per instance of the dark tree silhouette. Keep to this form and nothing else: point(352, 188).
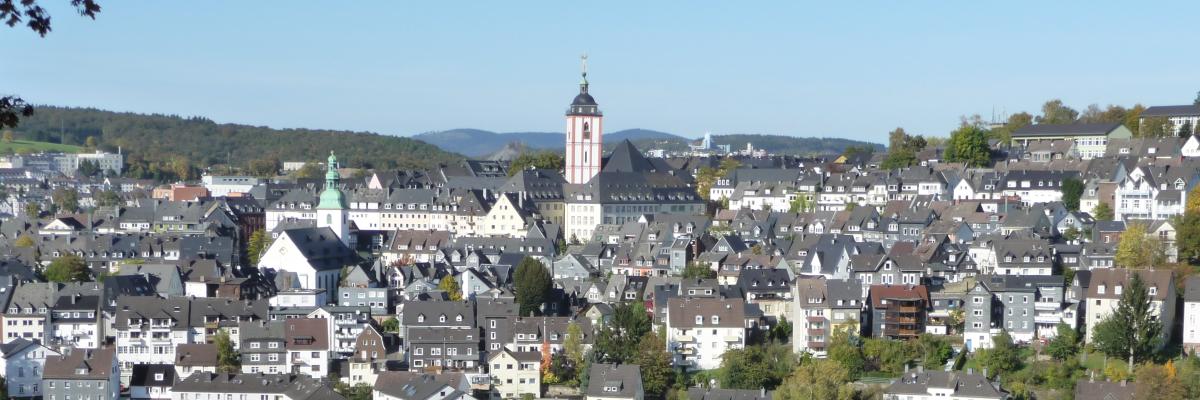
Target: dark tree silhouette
point(14, 12)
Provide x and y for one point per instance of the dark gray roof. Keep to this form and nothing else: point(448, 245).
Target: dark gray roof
point(963, 385)
point(625, 378)
point(627, 158)
point(1065, 129)
point(294, 386)
point(1171, 111)
point(697, 393)
point(160, 375)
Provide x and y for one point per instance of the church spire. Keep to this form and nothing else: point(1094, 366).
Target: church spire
point(583, 83)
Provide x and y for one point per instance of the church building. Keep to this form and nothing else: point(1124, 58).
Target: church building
point(619, 188)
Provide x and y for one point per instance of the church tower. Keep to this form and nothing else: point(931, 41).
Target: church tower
point(585, 130)
point(333, 211)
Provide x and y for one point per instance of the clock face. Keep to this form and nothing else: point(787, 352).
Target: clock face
point(283, 250)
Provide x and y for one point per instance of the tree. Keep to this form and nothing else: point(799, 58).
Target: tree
point(91, 142)
point(1137, 249)
point(361, 391)
point(1054, 112)
point(802, 203)
point(23, 241)
point(182, 168)
point(87, 168)
point(67, 268)
point(1016, 121)
point(782, 331)
point(65, 199)
point(573, 350)
point(1102, 212)
point(450, 285)
point(108, 198)
point(843, 349)
point(1133, 119)
point(618, 339)
point(902, 149)
point(655, 364)
point(228, 359)
point(532, 283)
point(1186, 129)
point(1072, 189)
point(756, 367)
point(8, 136)
point(1065, 344)
point(968, 144)
point(1187, 237)
point(33, 15)
point(817, 380)
point(1132, 329)
point(33, 209)
point(697, 270)
point(1158, 382)
point(934, 351)
point(551, 160)
point(265, 167)
point(309, 170)
point(391, 325)
point(1003, 357)
point(1155, 127)
point(255, 246)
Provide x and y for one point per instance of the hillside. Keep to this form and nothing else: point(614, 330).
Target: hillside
point(481, 143)
point(792, 145)
point(157, 139)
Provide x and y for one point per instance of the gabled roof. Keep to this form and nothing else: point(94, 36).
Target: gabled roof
point(1065, 129)
point(627, 158)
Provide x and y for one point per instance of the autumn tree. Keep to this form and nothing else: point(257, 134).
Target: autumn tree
point(450, 285)
point(1156, 127)
point(108, 198)
point(817, 380)
point(309, 170)
point(8, 136)
point(1133, 119)
point(23, 241)
point(91, 142)
point(1158, 382)
point(655, 363)
point(1138, 249)
point(65, 199)
point(1016, 121)
point(1132, 330)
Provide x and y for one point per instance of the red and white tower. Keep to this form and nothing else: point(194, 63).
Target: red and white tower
point(585, 128)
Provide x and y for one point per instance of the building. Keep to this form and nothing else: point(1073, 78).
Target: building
point(332, 211)
point(1178, 116)
point(614, 382)
point(1091, 140)
point(1028, 307)
point(205, 385)
point(700, 330)
point(823, 307)
point(195, 357)
point(221, 186)
point(585, 135)
point(898, 311)
point(698, 393)
point(82, 374)
point(315, 255)
point(515, 374)
point(1107, 285)
point(152, 381)
point(1191, 315)
point(24, 361)
point(108, 163)
point(948, 385)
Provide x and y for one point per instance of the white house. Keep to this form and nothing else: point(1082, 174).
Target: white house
point(515, 374)
point(1191, 315)
point(700, 330)
point(24, 362)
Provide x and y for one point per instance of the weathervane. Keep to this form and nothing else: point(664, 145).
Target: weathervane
point(583, 60)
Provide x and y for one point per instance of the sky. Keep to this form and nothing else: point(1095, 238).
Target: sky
point(851, 69)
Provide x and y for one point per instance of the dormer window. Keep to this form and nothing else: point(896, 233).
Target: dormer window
point(699, 320)
point(420, 318)
point(442, 318)
point(1153, 290)
point(458, 318)
point(716, 319)
point(1117, 290)
point(1100, 289)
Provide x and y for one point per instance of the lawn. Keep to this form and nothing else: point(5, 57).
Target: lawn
point(25, 146)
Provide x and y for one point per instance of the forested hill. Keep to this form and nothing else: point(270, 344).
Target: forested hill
point(158, 141)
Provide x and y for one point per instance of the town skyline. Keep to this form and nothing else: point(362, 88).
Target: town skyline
point(401, 71)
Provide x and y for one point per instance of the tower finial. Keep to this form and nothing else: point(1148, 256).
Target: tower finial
point(583, 62)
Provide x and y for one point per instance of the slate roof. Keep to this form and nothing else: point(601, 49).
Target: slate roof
point(296, 387)
point(196, 355)
point(1171, 111)
point(1065, 129)
point(322, 248)
point(963, 385)
point(81, 364)
point(626, 378)
point(415, 385)
point(146, 375)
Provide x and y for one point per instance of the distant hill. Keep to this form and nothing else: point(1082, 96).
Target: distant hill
point(153, 141)
point(803, 146)
point(481, 143)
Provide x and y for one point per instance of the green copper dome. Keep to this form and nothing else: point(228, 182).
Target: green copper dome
point(332, 197)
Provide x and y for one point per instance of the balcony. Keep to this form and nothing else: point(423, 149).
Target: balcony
point(732, 338)
point(816, 331)
point(816, 345)
point(685, 338)
point(1047, 305)
point(1052, 319)
point(910, 309)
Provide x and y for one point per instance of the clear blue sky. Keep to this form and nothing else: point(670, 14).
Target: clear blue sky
point(854, 70)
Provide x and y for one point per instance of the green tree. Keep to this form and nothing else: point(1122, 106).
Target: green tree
point(1002, 358)
point(391, 325)
point(532, 283)
point(1132, 330)
point(91, 142)
point(33, 209)
point(902, 149)
point(782, 331)
point(67, 268)
point(87, 168)
point(1072, 189)
point(255, 246)
point(265, 167)
point(802, 203)
point(817, 380)
point(65, 199)
point(968, 144)
point(1138, 249)
point(573, 349)
point(618, 339)
point(228, 359)
point(1003, 133)
point(844, 350)
point(1065, 344)
point(551, 160)
point(1102, 212)
point(933, 350)
point(360, 391)
point(655, 364)
point(450, 286)
point(1156, 127)
point(697, 269)
point(1186, 129)
point(1071, 234)
point(1054, 112)
point(756, 367)
point(1187, 236)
